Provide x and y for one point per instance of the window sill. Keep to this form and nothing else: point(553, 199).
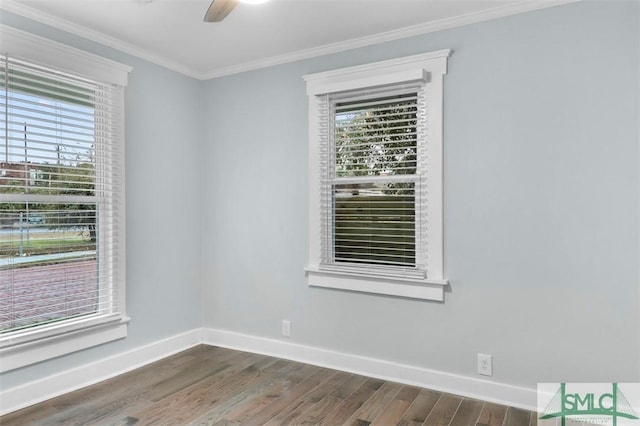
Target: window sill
point(62, 343)
point(423, 289)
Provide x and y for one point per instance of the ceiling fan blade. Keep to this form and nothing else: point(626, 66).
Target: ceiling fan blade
point(219, 9)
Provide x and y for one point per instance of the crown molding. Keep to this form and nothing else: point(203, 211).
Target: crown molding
point(415, 30)
point(20, 44)
point(96, 36)
point(411, 31)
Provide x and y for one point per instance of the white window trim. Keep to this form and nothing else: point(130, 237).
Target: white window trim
point(70, 336)
point(429, 68)
point(42, 51)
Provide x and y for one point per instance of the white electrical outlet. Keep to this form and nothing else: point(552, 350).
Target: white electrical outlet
point(286, 328)
point(485, 365)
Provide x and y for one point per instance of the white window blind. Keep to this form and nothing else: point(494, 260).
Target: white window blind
point(372, 150)
point(60, 202)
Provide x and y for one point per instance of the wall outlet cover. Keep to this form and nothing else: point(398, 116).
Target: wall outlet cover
point(485, 365)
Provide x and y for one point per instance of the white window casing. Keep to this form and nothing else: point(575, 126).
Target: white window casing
point(418, 78)
point(35, 70)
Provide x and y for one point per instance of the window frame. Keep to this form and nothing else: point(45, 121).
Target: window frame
point(427, 69)
point(45, 342)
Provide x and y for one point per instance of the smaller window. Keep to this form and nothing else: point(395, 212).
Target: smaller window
point(376, 177)
point(373, 180)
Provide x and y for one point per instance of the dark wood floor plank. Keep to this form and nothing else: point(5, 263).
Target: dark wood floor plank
point(311, 407)
point(291, 414)
point(213, 386)
point(468, 413)
point(420, 408)
point(349, 386)
point(127, 421)
point(492, 414)
point(326, 388)
point(115, 397)
point(165, 382)
point(319, 410)
point(443, 411)
point(375, 404)
point(516, 417)
point(199, 368)
point(353, 402)
point(223, 408)
point(392, 414)
point(196, 400)
point(256, 401)
point(281, 403)
point(331, 402)
point(408, 393)
point(297, 408)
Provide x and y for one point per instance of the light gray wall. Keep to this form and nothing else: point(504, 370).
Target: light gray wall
point(163, 139)
point(541, 204)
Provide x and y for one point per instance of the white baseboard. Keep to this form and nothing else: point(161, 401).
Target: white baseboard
point(471, 387)
point(67, 381)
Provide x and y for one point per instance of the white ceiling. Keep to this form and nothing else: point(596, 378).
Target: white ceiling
point(171, 32)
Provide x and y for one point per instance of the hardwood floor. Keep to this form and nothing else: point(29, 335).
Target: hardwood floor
point(207, 385)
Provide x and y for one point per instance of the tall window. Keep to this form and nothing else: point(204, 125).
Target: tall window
point(61, 204)
point(376, 184)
